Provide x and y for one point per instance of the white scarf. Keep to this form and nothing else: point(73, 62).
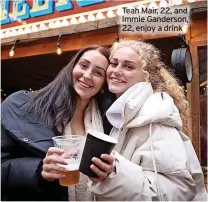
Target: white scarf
point(92, 120)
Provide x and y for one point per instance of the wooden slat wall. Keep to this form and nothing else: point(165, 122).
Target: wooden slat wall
point(197, 37)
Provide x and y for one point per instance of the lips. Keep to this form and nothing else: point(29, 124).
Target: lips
point(116, 80)
point(83, 84)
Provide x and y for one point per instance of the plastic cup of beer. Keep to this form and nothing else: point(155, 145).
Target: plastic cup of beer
point(72, 145)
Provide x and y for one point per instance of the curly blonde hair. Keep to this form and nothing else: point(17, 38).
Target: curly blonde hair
point(157, 73)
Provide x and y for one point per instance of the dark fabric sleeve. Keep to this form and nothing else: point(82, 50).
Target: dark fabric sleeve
point(42, 183)
point(21, 173)
point(16, 173)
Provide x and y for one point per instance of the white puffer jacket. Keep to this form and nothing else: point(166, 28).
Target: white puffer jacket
point(154, 160)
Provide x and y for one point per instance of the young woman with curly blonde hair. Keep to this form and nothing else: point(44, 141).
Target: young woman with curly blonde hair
point(161, 78)
point(154, 159)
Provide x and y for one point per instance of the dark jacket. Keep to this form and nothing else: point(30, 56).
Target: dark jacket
point(25, 140)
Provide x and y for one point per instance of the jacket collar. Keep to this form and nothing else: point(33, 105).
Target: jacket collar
point(128, 104)
point(139, 106)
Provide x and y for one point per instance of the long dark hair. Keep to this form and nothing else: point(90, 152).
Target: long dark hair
point(56, 102)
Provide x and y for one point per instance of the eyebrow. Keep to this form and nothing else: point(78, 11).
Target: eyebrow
point(95, 66)
point(125, 61)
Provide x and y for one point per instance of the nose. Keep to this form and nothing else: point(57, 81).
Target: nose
point(87, 74)
point(117, 71)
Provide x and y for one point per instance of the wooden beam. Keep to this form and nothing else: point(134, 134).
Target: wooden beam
point(195, 96)
point(72, 42)
point(48, 45)
point(195, 102)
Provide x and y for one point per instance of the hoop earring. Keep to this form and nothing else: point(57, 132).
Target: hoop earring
point(102, 91)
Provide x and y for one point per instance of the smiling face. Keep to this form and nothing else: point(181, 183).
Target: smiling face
point(124, 71)
point(89, 74)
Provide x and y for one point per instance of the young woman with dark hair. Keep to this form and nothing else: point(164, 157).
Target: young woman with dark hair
point(75, 101)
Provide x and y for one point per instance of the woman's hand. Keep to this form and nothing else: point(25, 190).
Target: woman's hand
point(51, 171)
point(102, 168)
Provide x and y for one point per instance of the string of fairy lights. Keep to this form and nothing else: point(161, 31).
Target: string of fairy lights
point(58, 46)
point(81, 18)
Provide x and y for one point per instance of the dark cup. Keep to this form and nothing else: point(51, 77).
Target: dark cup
point(96, 144)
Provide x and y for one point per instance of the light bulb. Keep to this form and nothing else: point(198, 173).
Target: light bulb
point(51, 25)
point(65, 22)
point(110, 14)
point(27, 30)
point(11, 53)
point(115, 44)
point(185, 29)
point(82, 19)
point(57, 24)
point(7, 34)
point(91, 17)
point(2, 35)
point(20, 31)
point(34, 28)
point(43, 26)
point(73, 21)
point(100, 16)
point(14, 32)
point(58, 51)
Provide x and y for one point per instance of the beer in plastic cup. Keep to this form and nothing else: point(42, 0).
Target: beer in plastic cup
point(73, 146)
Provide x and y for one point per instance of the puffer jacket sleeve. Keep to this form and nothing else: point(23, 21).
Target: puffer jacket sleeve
point(137, 181)
point(127, 183)
point(16, 173)
point(131, 183)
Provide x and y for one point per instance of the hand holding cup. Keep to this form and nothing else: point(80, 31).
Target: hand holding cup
point(51, 171)
point(96, 160)
point(102, 167)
